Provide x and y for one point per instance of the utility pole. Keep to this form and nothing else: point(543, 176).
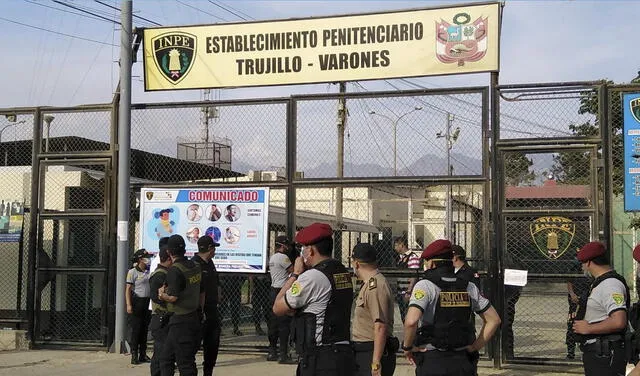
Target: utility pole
point(124, 153)
point(342, 123)
point(450, 139)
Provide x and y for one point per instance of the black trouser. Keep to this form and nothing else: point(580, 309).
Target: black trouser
point(570, 338)
point(139, 323)
point(279, 327)
point(602, 361)
point(159, 331)
point(364, 356)
point(260, 298)
point(444, 363)
point(332, 360)
point(210, 340)
point(511, 296)
point(232, 292)
point(181, 345)
point(403, 306)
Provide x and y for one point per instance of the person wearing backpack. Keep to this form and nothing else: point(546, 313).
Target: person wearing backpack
point(407, 260)
point(601, 318)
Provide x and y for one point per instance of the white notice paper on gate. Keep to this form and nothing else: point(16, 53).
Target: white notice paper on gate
point(515, 277)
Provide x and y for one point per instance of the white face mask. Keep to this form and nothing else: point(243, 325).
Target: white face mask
point(585, 271)
point(302, 254)
point(146, 261)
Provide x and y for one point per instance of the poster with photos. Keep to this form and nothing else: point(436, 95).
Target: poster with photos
point(237, 219)
point(11, 218)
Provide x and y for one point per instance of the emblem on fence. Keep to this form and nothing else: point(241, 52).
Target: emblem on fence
point(634, 106)
point(552, 235)
point(463, 41)
point(173, 54)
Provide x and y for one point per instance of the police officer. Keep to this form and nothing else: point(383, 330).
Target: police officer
point(444, 344)
point(280, 266)
point(319, 292)
point(462, 268)
point(182, 293)
point(372, 337)
point(159, 314)
point(137, 299)
point(211, 318)
point(601, 318)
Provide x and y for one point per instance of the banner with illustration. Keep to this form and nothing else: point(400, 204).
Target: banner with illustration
point(11, 218)
point(235, 218)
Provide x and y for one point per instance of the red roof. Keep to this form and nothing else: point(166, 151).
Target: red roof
point(549, 190)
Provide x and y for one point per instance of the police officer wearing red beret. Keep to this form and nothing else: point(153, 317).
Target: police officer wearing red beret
point(444, 345)
point(636, 256)
point(601, 319)
point(319, 294)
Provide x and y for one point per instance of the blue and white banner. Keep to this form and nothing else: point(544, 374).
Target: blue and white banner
point(235, 218)
point(631, 105)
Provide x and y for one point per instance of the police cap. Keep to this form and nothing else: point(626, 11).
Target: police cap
point(176, 244)
point(437, 248)
point(314, 233)
point(364, 252)
point(204, 242)
point(140, 253)
point(590, 251)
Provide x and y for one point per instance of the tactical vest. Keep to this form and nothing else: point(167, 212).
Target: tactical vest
point(337, 318)
point(155, 307)
point(451, 328)
point(581, 309)
point(189, 298)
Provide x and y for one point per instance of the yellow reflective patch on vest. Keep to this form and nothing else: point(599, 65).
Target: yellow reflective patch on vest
point(195, 279)
point(454, 299)
point(418, 294)
point(296, 288)
point(618, 298)
point(343, 281)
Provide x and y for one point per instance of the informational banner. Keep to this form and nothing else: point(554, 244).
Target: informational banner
point(235, 218)
point(397, 44)
point(631, 129)
point(11, 218)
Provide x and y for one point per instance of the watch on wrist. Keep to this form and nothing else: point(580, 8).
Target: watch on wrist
point(406, 348)
point(375, 366)
point(294, 275)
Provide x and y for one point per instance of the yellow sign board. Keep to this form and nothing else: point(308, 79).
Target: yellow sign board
point(345, 48)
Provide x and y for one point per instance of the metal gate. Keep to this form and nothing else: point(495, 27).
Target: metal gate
point(71, 237)
point(552, 187)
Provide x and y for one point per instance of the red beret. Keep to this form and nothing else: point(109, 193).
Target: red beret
point(313, 233)
point(437, 247)
point(636, 253)
point(590, 251)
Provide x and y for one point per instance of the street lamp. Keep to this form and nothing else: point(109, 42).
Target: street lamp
point(47, 119)
point(450, 139)
point(2, 131)
point(395, 141)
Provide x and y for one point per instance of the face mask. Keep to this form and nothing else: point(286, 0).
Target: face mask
point(302, 255)
point(145, 261)
point(585, 271)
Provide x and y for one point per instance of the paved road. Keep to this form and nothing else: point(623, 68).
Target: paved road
point(83, 363)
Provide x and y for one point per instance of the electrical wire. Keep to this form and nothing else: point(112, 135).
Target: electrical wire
point(135, 16)
point(237, 10)
point(230, 11)
point(66, 11)
point(56, 32)
point(84, 11)
point(200, 10)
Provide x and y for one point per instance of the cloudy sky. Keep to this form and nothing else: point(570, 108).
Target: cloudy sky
point(542, 41)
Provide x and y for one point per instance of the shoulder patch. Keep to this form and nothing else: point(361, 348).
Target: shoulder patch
point(618, 298)
point(296, 288)
point(372, 283)
point(418, 294)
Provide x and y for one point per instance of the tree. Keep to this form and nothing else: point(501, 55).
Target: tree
point(516, 170)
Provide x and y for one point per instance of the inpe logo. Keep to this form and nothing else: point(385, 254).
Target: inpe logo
point(173, 54)
point(552, 235)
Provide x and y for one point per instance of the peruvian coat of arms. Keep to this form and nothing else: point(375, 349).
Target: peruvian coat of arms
point(461, 41)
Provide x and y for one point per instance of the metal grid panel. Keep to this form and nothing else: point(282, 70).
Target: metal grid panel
point(74, 188)
point(218, 140)
point(392, 135)
point(75, 242)
point(76, 131)
point(538, 112)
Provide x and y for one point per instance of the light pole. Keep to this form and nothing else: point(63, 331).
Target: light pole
point(395, 128)
point(2, 131)
point(47, 119)
point(450, 139)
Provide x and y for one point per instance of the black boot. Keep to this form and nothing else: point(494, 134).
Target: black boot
point(286, 359)
point(143, 358)
point(273, 355)
point(134, 359)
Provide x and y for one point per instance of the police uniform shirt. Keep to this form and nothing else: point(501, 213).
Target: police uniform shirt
point(210, 281)
point(606, 298)
point(469, 274)
point(374, 304)
point(278, 264)
point(311, 293)
point(140, 281)
point(425, 297)
point(156, 281)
